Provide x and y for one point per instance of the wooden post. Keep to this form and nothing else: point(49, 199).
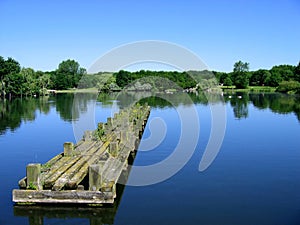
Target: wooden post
point(68, 148)
point(88, 135)
point(123, 136)
point(33, 173)
point(109, 122)
point(113, 148)
point(95, 176)
point(109, 187)
point(116, 116)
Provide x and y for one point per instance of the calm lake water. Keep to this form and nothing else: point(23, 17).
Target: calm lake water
point(255, 178)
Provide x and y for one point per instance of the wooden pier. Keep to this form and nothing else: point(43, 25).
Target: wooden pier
point(86, 172)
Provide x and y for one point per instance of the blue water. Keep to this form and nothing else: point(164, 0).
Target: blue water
point(255, 178)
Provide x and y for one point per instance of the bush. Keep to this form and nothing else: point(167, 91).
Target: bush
point(289, 87)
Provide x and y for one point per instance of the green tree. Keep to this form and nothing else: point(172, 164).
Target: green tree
point(297, 72)
point(68, 74)
point(228, 81)
point(286, 71)
point(7, 67)
point(30, 86)
point(260, 77)
point(14, 84)
point(240, 74)
point(43, 80)
point(289, 87)
point(275, 78)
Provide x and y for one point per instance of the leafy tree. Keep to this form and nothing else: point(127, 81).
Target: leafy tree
point(7, 67)
point(43, 82)
point(288, 86)
point(228, 81)
point(297, 72)
point(11, 66)
point(30, 81)
point(13, 84)
point(275, 78)
point(68, 74)
point(286, 71)
point(2, 68)
point(222, 77)
point(240, 74)
point(260, 77)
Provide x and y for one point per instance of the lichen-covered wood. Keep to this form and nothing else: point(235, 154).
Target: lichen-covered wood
point(92, 166)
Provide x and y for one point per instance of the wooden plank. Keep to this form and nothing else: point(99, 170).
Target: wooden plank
point(74, 181)
point(63, 165)
point(57, 170)
point(48, 196)
point(46, 166)
point(84, 146)
point(73, 176)
point(116, 166)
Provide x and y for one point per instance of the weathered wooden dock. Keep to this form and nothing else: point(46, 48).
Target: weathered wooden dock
point(86, 172)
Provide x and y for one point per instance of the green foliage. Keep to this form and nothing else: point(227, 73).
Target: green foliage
point(207, 84)
point(228, 81)
point(297, 72)
point(240, 74)
point(99, 134)
point(289, 87)
point(8, 66)
point(285, 72)
point(31, 186)
point(67, 75)
point(260, 78)
point(17, 81)
point(182, 79)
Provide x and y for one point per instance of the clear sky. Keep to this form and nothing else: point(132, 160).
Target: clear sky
point(40, 34)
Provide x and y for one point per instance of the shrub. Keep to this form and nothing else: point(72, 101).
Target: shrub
point(288, 87)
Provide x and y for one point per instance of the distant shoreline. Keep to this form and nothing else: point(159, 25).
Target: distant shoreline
point(250, 89)
point(75, 90)
point(224, 88)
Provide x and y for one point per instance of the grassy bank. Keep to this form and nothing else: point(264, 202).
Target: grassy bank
point(249, 89)
point(74, 90)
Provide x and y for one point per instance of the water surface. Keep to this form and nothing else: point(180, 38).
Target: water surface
point(255, 178)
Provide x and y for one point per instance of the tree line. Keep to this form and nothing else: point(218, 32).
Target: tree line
point(155, 79)
point(17, 81)
point(285, 77)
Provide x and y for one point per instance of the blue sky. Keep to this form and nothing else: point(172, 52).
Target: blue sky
point(40, 34)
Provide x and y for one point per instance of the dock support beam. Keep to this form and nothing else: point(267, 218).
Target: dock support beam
point(109, 122)
point(123, 136)
point(95, 176)
point(68, 148)
point(33, 172)
point(113, 148)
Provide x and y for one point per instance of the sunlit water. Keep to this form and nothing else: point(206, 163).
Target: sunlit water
point(255, 178)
